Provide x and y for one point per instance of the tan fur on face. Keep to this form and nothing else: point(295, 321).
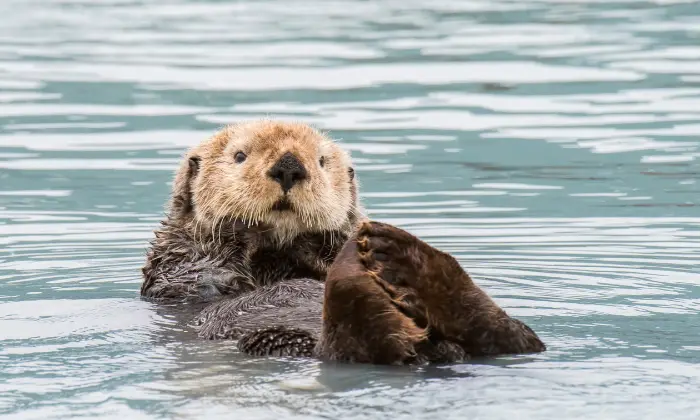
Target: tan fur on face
point(223, 190)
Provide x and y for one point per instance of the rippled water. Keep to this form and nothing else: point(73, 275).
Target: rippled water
point(551, 145)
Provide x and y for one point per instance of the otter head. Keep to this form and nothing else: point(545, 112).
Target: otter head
point(287, 177)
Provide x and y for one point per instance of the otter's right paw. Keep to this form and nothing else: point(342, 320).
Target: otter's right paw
point(394, 254)
point(364, 317)
point(405, 261)
point(431, 287)
point(278, 341)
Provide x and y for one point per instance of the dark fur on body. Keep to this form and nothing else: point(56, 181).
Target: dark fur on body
point(393, 299)
point(389, 298)
point(283, 319)
point(238, 260)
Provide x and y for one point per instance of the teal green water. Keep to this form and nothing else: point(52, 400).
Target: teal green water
point(552, 146)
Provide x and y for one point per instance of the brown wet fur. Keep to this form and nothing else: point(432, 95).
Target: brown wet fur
point(361, 323)
point(391, 298)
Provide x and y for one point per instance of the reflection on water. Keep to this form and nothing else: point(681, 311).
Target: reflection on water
point(551, 146)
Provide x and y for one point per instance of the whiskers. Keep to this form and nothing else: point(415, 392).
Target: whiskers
point(319, 209)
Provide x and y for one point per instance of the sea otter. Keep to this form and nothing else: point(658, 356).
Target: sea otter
point(265, 225)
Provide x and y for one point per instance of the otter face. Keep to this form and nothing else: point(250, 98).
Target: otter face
point(287, 176)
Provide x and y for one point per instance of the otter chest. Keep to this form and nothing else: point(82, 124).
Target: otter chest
point(270, 265)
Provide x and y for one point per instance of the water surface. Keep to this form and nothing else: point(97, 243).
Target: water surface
point(551, 146)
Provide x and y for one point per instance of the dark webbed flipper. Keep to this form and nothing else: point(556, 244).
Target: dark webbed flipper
point(278, 341)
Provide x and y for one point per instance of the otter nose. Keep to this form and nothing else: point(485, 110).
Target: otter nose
point(287, 171)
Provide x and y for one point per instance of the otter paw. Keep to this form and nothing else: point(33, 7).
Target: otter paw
point(434, 289)
point(278, 341)
point(391, 253)
point(404, 260)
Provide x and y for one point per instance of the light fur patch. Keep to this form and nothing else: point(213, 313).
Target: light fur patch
point(225, 190)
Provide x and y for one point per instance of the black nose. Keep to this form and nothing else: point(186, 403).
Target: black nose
point(287, 171)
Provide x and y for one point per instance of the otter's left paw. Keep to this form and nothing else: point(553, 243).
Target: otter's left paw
point(278, 341)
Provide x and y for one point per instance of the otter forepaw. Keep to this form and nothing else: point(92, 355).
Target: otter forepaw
point(383, 234)
point(278, 341)
point(389, 252)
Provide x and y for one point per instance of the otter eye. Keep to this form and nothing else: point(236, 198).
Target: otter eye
point(240, 157)
point(322, 161)
point(351, 172)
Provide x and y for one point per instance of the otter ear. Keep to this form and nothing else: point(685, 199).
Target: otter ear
point(193, 161)
point(351, 172)
point(182, 201)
